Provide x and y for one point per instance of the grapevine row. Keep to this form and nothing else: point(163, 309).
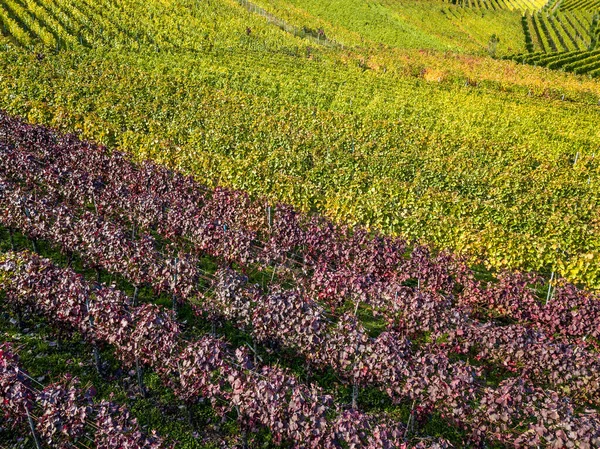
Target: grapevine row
point(578, 42)
point(369, 364)
point(62, 413)
point(104, 244)
point(147, 334)
point(384, 361)
point(204, 367)
point(196, 144)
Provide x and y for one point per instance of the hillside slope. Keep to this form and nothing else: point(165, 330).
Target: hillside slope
point(486, 157)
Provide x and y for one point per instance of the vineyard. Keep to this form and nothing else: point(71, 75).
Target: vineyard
point(415, 326)
point(563, 36)
point(299, 224)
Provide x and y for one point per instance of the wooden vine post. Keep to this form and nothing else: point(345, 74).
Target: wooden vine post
point(174, 298)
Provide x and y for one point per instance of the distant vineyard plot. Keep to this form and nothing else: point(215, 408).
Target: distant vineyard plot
point(180, 26)
point(563, 36)
point(513, 5)
point(585, 5)
point(559, 34)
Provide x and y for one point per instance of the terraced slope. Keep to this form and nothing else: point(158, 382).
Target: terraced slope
point(564, 40)
point(471, 28)
point(513, 5)
point(584, 5)
point(558, 34)
point(563, 35)
point(159, 26)
point(414, 24)
point(411, 24)
point(499, 28)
